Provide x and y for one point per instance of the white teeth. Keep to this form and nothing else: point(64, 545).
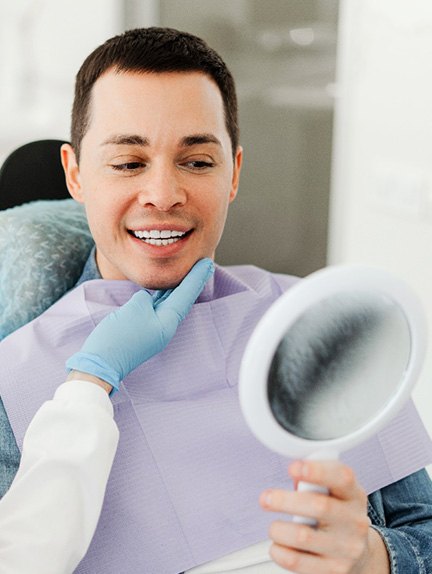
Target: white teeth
point(156, 234)
point(156, 237)
point(162, 241)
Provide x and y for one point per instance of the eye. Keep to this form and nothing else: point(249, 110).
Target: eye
point(198, 165)
point(129, 166)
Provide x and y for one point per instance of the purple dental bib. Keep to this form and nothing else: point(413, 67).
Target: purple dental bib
point(187, 475)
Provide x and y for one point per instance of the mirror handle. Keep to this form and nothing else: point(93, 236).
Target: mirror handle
point(324, 454)
point(308, 487)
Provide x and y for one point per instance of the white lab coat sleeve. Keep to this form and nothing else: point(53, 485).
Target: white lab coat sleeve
point(49, 515)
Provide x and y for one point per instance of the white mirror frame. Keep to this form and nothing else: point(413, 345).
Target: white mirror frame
point(284, 313)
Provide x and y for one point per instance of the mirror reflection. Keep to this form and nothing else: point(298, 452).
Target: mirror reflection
point(338, 365)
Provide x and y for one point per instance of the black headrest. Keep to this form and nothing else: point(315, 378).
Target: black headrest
point(31, 172)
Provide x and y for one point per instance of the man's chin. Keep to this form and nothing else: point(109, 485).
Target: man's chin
point(163, 274)
point(155, 286)
point(163, 280)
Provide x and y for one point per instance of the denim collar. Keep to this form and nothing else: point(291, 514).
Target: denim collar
point(90, 270)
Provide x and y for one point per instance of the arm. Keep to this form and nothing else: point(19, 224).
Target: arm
point(402, 514)
point(343, 540)
point(49, 515)
point(9, 452)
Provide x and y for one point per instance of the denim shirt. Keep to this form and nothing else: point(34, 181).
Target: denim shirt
point(400, 512)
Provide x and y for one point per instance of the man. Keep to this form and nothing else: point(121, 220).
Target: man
point(156, 161)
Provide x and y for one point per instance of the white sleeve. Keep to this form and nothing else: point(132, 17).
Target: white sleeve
point(49, 515)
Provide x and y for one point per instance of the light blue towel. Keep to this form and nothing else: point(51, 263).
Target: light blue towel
point(43, 248)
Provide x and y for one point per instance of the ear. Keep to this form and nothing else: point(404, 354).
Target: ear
point(238, 160)
point(72, 173)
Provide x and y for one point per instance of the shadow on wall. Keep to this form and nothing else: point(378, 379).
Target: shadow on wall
point(280, 216)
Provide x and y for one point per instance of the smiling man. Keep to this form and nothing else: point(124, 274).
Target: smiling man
point(157, 170)
point(155, 159)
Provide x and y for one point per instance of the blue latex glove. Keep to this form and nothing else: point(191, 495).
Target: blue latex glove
point(141, 328)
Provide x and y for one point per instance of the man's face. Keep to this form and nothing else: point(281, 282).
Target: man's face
point(156, 174)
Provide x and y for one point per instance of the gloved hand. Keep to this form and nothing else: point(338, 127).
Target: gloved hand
point(141, 328)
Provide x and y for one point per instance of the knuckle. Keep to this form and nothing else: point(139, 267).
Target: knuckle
point(275, 529)
point(279, 500)
point(316, 471)
point(340, 566)
point(291, 561)
point(287, 559)
point(304, 536)
point(276, 499)
point(322, 506)
point(348, 478)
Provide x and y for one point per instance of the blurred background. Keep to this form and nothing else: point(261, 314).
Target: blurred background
point(335, 110)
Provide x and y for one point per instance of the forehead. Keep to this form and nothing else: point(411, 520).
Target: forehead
point(177, 101)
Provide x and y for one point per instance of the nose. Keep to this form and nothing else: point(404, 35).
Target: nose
point(161, 189)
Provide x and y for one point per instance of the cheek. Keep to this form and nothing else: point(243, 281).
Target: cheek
point(222, 209)
point(103, 211)
point(100, 223)
point(216, 216)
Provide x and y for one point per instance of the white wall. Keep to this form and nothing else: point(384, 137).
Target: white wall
point(382, 182)
point(42, 45)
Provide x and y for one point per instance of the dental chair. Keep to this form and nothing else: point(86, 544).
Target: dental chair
point(44, 237)
point(32, 172)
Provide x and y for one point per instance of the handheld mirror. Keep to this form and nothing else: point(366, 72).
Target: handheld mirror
point(332, 361)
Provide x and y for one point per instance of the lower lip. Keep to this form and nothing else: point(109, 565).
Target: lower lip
point(161, 250)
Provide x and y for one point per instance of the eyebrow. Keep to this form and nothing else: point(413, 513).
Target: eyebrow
point(197, 139)
point(127, 139)
point(137, 140)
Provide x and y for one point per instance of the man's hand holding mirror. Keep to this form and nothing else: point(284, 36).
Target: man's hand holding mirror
point(330, 363)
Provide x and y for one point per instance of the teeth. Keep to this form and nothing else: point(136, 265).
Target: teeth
point(166, 233)
point(162, 241)
point(156, 234)
point(156, 237)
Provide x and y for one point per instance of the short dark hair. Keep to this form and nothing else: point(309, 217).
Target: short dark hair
point(154, 50)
